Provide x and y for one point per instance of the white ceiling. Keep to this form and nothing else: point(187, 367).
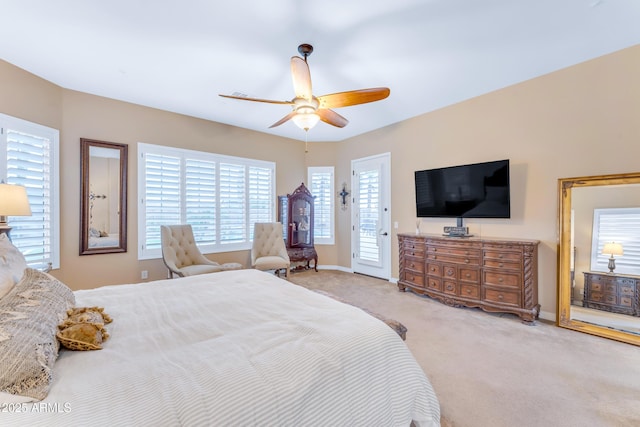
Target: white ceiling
point(179, 55)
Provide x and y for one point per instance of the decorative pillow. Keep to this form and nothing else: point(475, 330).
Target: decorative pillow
point(94, 315)
point(83, 336)
point(12, 265)
point(29, 318)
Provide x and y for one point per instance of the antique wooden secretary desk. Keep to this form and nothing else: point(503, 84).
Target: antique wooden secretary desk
point(295, 212)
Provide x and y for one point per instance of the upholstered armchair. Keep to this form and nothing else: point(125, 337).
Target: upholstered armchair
point(182, 256)
point(269, 251)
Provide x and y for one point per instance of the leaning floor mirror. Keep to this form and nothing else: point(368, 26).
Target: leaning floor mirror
point(103, 197)
point(599, 256)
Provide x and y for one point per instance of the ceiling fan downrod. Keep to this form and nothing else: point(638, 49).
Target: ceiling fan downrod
point(305, 50)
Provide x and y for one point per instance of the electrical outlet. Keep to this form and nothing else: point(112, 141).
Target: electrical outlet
point(395, 225)
point(144, 274)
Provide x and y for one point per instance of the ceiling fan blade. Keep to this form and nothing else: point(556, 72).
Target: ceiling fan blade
point(331, 117)
point(245, 98)
point(353, 97)
point(284, 119)
point(301, 78)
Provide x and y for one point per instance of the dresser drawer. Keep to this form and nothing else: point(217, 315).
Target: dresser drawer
point(504, 265)
point(502, 297)
point(470, 291)
point(413, 246)
point(434, 283)
point(414, 278)
point(626, 302)
point(502, 279)
point(453, 259)
point(454, 250)
point(414, 264)
point(627, 291)
point(434, 269)
point(502, 256)
point(450, 287)
point(469, 275)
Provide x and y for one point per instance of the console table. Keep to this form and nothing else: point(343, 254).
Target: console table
point(612, 292)
point(498, 275)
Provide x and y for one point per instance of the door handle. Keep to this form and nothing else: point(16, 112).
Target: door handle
point(384, 234)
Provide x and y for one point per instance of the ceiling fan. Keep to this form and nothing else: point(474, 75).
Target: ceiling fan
point(309, 109)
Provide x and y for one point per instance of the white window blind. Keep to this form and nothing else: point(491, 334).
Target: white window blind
point(321, 183)
point(30, 155)
point(220, 196)
point(620, 225)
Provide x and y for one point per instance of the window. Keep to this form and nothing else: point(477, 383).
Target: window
point(29, 157)
point(220, 196)
point(322, 188)
point(620, 225)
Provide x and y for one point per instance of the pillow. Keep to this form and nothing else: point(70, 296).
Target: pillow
point(94, 315)
point(12, 265)
point(83, 336)
point(29, 318)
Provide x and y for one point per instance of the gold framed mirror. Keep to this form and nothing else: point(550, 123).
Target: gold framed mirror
point(596, 213)
point(103, 197)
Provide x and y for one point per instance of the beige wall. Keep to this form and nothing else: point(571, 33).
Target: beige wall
point(583, 120)
point(80, 115)
point(579, 121)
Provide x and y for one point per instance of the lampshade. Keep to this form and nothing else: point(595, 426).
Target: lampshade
point(612, 248)
point(305, 120)
point(14, 200)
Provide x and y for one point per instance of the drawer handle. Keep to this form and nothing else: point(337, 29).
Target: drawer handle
point(501, 265)
point(435, 249)
point(413, 253)
point(500, 256)
point(450, 273)
point(500, 279)
point(433, 269)
point(468, 291)
point(466, 261)
point(435, 257)
point(449, 287)
point(468, 275)
point(412, 265)
point(500, 297)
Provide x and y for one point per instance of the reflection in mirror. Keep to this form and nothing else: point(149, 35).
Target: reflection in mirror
point(599, 219)
point(300, 227)
point(103, 197)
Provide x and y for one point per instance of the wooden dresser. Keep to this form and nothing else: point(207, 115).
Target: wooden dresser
point(612, 292)
point(498, 275)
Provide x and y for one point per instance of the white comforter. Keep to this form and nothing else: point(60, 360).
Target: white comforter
point(236, 348)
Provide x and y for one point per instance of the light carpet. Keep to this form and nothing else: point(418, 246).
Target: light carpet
point(492, 370)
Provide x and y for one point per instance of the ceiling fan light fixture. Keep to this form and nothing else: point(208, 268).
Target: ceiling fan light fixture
point(306, 120)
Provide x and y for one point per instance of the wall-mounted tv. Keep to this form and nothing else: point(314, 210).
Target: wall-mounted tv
point(479, 190)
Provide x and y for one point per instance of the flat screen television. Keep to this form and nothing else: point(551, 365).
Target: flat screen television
point(479, 190)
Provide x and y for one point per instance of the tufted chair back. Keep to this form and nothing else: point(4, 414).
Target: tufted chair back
point(269, 251)
point(182, 256)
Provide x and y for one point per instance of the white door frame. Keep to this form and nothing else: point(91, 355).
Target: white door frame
point(383, 268)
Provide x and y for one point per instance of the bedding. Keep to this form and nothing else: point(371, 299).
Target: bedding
point(233, 348)
point(106, 241)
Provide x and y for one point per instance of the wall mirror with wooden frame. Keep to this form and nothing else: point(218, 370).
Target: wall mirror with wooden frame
point(595, 295)
point(103, 197)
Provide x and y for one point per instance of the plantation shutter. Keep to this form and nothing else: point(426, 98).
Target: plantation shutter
point(233, 213)
point(261, 203)
point(161, 196)
point(321, 187)
point(219, 196)
point(200, 196)
point(32, 161)
point(620, 225)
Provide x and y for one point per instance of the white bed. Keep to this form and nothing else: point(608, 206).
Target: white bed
point(112, 240)
point(234, 348)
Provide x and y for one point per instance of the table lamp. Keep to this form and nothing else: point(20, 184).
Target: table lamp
point(612, 249)
point(13, 202)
